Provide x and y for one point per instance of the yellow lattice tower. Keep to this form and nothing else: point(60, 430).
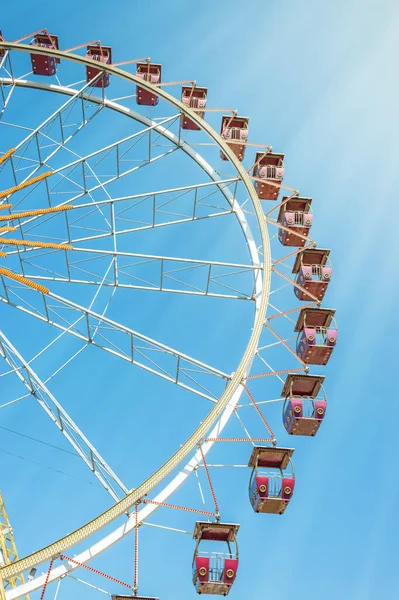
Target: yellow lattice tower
point(8, 549)
point(10, 218)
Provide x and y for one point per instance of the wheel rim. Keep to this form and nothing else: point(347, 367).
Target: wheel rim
point(235, 381)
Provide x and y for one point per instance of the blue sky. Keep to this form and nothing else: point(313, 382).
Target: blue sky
point(317, 80)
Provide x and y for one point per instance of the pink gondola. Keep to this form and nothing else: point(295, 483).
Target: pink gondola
point(151, 73)
point(99, 54)
point(270, 168)
point(271, 490)
point(234, 131)
point(305, 404)
point(41, 63)
point(215, 572)
point(295, 215)
point(317, 335)
point(313, 273)
point(194, 98)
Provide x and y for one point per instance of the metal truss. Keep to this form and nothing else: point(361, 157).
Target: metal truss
point(116, 214)
point(79, 173)
point(6, 89)
point(44, 142)
point(147, 272)
point(62, 420)
point(84, 176)
point(111, 218)
point(64, 569)
point(116, 155)
point(119, 340)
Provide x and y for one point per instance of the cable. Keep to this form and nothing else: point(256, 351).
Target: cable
point(266, 424)
point(210, 484)
point(29, 437)
point(45, 466)
point(47, 578)
point(136, 552)
point(79, 564)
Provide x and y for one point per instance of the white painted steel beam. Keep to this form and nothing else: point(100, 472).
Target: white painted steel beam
point(62, 420)
point(227, 401)
point(123, 342)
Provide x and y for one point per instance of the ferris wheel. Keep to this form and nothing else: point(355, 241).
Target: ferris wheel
point(114, 195)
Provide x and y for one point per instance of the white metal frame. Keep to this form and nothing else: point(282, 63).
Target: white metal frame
point(58, 415)
point(225, 405)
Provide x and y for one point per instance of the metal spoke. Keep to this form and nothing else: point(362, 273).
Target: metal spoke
point(88, 268)
point(115, 224)
point(117, 339)
point(35, 142)
point(62, 420)
point(124, 209)
point(150, 125)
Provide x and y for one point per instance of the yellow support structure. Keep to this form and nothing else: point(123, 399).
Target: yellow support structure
point(8, 551)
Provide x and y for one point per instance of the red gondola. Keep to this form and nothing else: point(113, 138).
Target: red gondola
point(270, 491)
point(100, 54)
point(215, 572)
point(303, 409)
point(41, 63)
point(235, 130)
point(313, 273)
point(317, 335)
point(194, 98)
point(295, 215)
point(151, 73)
point(270, 167)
